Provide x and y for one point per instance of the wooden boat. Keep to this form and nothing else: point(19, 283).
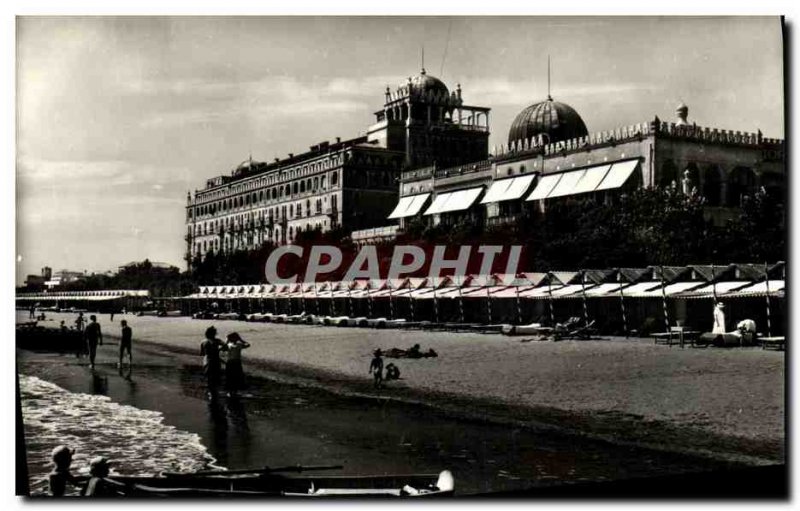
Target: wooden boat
point(272, 483)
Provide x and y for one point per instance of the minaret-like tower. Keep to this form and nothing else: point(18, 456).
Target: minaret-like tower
point(431, 124)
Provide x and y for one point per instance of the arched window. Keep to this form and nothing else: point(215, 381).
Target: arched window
point(742, 183)
point(669, 174)
point(302, 187)
point(316, 183)
point(712, 183)
point(775, 186)
point(334, 178)
point(322, 182)
point(295, 187)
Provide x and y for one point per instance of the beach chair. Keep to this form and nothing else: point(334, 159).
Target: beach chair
point(574, 331)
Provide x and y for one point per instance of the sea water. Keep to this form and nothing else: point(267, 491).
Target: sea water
point(137, 442)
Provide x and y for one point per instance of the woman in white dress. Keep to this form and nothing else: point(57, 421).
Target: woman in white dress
point(719, 319)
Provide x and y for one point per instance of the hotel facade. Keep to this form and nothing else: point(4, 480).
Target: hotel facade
point(426, 159)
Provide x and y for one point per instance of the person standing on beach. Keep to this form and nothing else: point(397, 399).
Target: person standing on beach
point(112, 316)
point(60, 476)
point(125, 343)
point(376, 368)
point(93, 337)
point(212, 368)
point(32, 314)
point(79, 322)
point(234, 372)
point(719, 319)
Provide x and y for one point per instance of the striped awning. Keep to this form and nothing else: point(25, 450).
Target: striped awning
point(409, 206)
point(591, 179)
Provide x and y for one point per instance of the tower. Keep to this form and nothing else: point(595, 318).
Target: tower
point(430, 124)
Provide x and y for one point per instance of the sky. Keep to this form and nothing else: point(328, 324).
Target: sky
point(119, 117)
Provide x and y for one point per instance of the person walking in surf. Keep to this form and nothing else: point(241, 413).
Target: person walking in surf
point(125, 343)
point(94, 337)
point(212, 365)
point(234, 372)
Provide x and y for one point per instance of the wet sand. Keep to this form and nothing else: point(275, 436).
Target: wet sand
point(724, 403)
point(281, 424)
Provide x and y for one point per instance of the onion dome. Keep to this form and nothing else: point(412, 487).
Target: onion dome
point(557, 121)
point(425, 83)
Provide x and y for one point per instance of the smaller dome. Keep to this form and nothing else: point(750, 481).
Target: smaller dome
point(683, 113)
point(425, 83)
point(557, 121)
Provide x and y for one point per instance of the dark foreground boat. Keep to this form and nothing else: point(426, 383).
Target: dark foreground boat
point(270, 483)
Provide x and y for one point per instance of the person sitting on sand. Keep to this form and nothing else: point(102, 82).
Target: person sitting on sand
point(414, 352)
point(234, 372)
point(100, 485)
point(392, 372)
point(376, 368)
point(60, 475)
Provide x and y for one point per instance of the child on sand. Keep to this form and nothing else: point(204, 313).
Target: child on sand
point(376, 368)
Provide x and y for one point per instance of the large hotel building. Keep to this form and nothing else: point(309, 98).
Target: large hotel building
point(427, 158)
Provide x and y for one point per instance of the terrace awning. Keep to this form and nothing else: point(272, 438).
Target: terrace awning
point(508, 189)
point(409, 206)
point(454, 201)
point(586, 180)
point(544, 187)
point(618, 175)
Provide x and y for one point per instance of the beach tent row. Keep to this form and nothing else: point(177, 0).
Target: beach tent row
point(689, 282)
point(98, 295)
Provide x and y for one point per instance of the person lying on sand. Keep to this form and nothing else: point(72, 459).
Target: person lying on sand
point(413, 352)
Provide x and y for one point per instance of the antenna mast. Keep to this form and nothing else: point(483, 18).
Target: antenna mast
point(446, 45)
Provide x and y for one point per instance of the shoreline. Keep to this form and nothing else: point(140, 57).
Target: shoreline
point(602, 427)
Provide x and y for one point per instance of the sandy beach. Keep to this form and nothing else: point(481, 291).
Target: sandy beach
point(725, 403)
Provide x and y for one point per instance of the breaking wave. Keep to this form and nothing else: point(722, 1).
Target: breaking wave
point(137, 440)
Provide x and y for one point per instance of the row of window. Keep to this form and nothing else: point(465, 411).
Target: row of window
point(253, 240)
point(263, 218)
point(276, 193)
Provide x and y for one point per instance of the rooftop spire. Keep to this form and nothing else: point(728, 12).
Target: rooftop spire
point(423, 59)
point(549, 97)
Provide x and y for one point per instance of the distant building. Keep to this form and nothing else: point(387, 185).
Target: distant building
point(62, 277)
point(154, 264)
